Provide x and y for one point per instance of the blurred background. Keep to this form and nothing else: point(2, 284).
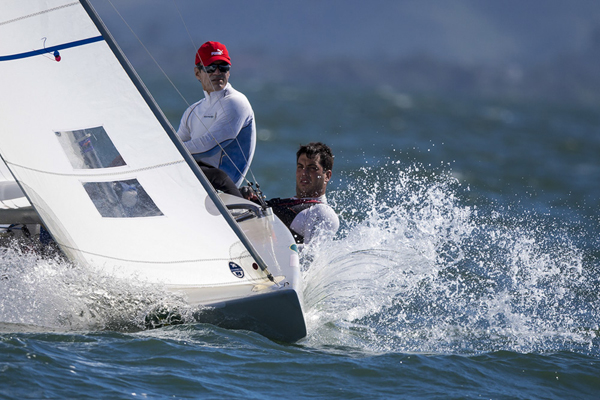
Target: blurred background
point(503, 95)
point(546, 49)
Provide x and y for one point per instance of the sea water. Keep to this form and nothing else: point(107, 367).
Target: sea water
point(466, 266)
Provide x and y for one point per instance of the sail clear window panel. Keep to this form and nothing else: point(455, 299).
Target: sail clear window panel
point(121, 199)
point(89, 148)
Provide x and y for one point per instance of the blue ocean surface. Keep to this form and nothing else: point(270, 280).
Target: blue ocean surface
point(467, 265)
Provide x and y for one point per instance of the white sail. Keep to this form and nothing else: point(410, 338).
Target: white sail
point(89, 152)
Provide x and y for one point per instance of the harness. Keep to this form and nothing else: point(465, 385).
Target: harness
point(287, 209)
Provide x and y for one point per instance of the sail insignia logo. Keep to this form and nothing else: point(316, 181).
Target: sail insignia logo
point(236, 270)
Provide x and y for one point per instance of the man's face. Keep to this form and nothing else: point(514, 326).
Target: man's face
point(214, 81)
point(311, 180)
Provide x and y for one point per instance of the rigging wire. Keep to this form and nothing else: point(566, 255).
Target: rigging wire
point(181, 95)
point(261, 264)
point(195, 48)
point(149, 53)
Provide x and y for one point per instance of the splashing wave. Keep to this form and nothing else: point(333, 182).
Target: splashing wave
point(44, 294)
point(418, 266)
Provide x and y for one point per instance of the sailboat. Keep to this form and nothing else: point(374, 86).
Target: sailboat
point(102, 169)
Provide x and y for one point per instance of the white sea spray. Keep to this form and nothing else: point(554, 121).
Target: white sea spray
point(51, 293)
point(418, 266)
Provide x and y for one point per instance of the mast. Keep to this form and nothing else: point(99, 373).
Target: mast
point(145, 93)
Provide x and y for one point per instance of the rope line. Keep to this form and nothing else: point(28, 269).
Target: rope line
point(179, 92)
point(239, 258)
point(195, 48)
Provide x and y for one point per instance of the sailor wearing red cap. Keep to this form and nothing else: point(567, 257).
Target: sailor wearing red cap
point(219, 130)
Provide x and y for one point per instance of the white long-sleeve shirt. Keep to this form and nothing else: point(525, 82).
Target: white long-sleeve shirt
point(319, 218)
point(220, 130)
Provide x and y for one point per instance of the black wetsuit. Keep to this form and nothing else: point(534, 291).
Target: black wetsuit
point(287, 209)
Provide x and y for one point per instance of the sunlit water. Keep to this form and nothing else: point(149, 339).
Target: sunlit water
point(466, 265)
point(416, 270)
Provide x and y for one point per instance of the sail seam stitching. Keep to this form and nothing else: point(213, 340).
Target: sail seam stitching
point(38, 13)
point(158, 262)
point(97, 175)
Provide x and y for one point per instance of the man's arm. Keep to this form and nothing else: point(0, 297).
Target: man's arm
point(320, 218)
point(184, 130)
point(233, 114)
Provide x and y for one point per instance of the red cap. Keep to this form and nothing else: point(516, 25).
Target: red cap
point(210, 52)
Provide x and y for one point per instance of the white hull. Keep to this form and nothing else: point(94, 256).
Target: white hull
point(272, 309)
point(107, 176)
